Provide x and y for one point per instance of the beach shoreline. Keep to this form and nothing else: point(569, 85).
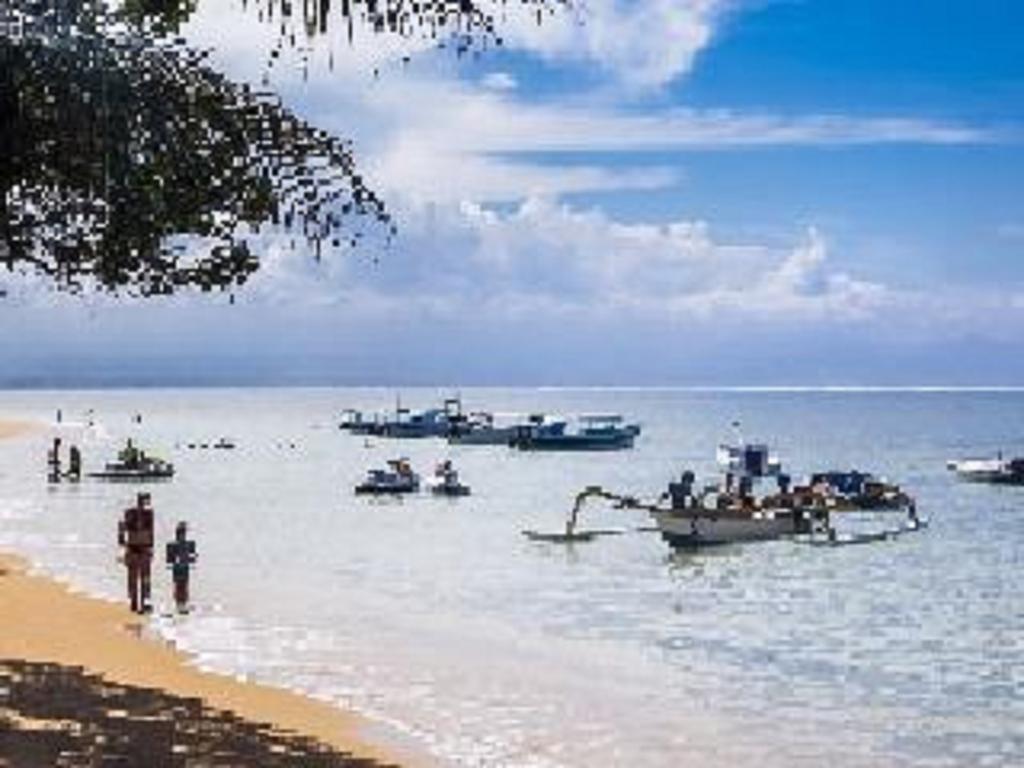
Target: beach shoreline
point(45, 622)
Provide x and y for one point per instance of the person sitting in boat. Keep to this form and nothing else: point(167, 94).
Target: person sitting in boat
point(130, 456)
point(681, 493)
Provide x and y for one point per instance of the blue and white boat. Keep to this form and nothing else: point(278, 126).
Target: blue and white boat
point(483, 428)
point(603, 432)
point(398, 478)
point(407, 423)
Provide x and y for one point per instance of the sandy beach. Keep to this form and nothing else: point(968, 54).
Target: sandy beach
point(88, 645)
point(14, 428)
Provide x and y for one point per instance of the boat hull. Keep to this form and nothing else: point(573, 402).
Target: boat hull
point(483, 437)
point(453, 491)
point(381, 490)
point(705, 528)
point(574, 443)
point(131, 477)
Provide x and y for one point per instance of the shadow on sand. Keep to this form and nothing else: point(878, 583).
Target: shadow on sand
point(54, 715)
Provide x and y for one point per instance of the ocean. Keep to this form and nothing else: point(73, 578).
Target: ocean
point(446, 627)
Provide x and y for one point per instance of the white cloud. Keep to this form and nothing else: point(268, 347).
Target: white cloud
point(547, 257)
point(499, 81)
point(640, 44)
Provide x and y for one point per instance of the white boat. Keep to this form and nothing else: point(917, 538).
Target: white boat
point(700, 527)
point(996, 470)
point(445, 481)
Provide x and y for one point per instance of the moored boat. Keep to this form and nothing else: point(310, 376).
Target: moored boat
point(605, 432)
point(398, 478)
point(997, 471)
point(445, 481)
point(133, 464)
point(481, 428)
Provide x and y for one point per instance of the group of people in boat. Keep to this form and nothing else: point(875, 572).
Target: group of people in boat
point(825, 490)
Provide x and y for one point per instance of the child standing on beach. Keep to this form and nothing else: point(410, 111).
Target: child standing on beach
point(135, 535)
point(181, 555)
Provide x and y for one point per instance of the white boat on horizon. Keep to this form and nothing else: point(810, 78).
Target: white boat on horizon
point(997, 470)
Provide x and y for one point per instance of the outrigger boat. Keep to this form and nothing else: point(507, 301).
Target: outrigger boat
point(605, 432)
point(446, 481)
point(397, 479)
point(134, 465)
point(997, 471)
point(730, 511)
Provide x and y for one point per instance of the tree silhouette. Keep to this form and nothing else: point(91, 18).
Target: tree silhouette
point(127, 163)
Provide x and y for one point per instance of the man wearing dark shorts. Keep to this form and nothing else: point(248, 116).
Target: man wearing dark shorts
point(135, 535)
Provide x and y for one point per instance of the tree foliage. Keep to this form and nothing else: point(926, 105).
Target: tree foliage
point(127, 163)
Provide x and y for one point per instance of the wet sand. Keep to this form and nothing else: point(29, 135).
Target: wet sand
point(63, 654)
point(15, 428)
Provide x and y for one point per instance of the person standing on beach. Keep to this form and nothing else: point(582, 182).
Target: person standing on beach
point(135, 535)
point(181, 555)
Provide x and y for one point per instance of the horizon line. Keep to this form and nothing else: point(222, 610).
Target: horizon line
point(696, 388)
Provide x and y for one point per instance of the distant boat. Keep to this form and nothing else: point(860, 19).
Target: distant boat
point(480, 429)
point(397, 479)
point(405, 423)
point(605, 432)
point(446, 481)
point(134, 465)
point(997, 471)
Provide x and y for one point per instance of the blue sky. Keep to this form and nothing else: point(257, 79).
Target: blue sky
point(648, 191)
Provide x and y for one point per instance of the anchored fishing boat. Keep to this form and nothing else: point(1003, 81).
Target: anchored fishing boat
point(481, 428)
point(406, 423)
point(398, 478)
point(754, 501)
point(133, 464)
point(605, 432)
point(997, 471)
point(445, 481)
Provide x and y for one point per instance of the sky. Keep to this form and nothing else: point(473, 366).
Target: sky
point(633, 192)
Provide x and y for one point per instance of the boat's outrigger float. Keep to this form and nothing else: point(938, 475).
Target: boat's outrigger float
point(729, 511)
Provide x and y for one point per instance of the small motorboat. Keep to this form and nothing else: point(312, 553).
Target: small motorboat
point(998, 471)
point(396, 479)
point(446, 481)
point(133, 464)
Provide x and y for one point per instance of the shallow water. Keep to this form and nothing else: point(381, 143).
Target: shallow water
point(439, 620)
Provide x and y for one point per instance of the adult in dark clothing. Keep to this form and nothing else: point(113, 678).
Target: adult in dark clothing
point(135, 535)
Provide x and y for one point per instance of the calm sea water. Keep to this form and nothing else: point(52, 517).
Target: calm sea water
point(441, 622)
